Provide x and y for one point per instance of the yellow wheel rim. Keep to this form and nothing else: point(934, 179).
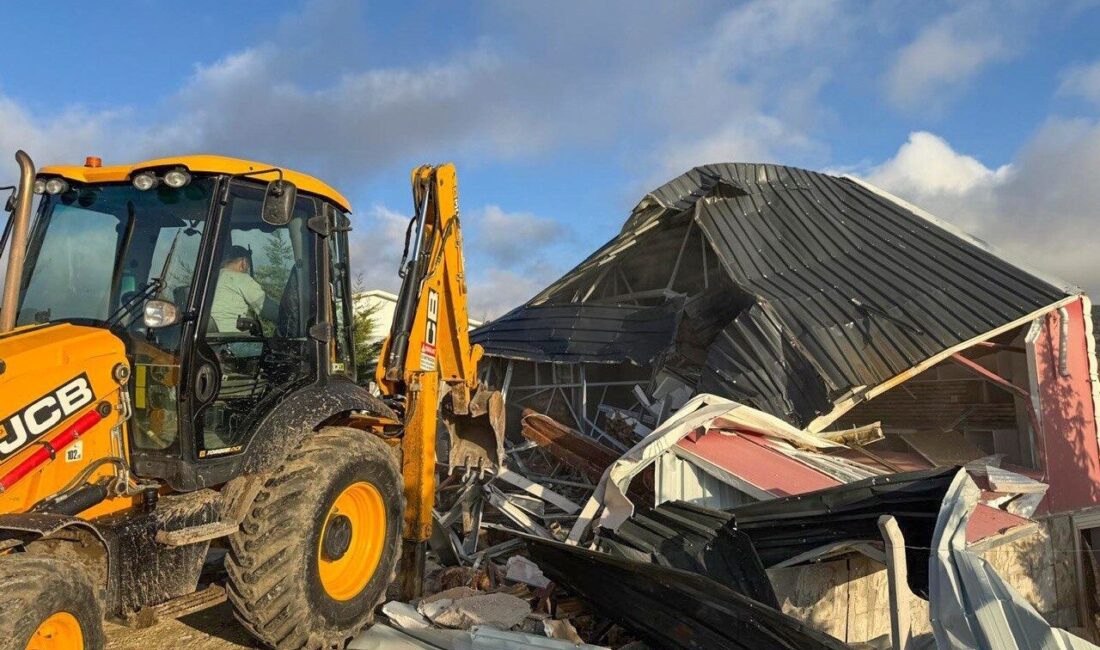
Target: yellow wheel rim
point(61, 631)
point(352, 541)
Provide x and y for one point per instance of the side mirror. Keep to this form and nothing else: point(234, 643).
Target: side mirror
point(279, 201)
point(160, 313)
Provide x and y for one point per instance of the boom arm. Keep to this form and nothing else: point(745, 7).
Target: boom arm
point(430, 325)
point(428, 352)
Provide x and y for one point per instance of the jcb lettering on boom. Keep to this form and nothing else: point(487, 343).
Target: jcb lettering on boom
point(44, 413)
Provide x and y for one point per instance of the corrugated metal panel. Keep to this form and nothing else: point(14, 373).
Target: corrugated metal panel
point(678, 480)
point(581, 332)
point(851, 287)
point(866, 288)
point(754, 362)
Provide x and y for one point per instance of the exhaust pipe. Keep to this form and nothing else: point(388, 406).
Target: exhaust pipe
point(17, 249)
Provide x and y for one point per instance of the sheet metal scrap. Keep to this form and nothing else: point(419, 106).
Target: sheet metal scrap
point(784, 528)
point(802, 293)
point(673, 608)
point(699, 540)
point(971, 606)
point(684, 535)
point(602, 333)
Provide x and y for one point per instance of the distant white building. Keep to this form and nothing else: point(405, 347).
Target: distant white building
point(385, 303)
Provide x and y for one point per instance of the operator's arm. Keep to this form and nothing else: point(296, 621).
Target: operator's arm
point(257, 300)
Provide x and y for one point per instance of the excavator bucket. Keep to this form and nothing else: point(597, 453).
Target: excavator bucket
point(476, 428)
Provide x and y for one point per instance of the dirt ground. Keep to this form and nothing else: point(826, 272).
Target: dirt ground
point(213, 628)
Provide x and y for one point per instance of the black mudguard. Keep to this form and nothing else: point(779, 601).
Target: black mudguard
point(302, 412)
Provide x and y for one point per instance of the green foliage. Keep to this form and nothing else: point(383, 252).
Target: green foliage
point(273, 274)
point(364, 323)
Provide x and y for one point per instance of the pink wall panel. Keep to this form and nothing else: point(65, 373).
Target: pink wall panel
point(1072, 456)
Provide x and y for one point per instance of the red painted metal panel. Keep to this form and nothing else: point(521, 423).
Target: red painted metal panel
point(750, 458)
point(1072, 457)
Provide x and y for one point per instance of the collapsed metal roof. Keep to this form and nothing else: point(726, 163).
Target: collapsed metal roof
point(796, 292)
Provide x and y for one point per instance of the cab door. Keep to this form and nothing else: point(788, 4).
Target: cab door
point(253, 343)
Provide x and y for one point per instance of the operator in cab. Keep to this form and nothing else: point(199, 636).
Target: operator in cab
point(238, 294)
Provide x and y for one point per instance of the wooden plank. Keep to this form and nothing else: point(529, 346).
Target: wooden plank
point(1063, 538)
point(816, 594)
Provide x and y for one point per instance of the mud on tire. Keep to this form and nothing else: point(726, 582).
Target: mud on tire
point(36, 588)
point(274, 583)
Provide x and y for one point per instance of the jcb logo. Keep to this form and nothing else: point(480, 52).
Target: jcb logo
point(44, 414)
point(433, 317)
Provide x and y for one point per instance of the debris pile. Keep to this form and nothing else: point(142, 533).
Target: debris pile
point(780, 409)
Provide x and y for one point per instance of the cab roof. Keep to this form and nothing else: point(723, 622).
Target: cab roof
point(196, 164)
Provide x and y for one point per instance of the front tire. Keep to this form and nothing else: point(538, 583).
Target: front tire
point(319, 547)
point(48, 604)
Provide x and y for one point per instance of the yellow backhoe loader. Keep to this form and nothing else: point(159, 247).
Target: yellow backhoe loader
point(177, 375)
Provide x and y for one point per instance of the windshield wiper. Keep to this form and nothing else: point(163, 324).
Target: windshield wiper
point(150, 289)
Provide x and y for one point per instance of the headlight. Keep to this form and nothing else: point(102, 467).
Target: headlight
point(56, 186)
point(177, 178)
point(39, 186)
point(145, 181)
point(160, 313)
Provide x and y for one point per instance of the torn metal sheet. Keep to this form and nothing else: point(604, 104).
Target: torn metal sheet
point(784, 528)
point(697, 540)
point(804, 526)
point(673, 608)
point(971, 607)
point(802, 293)
point(538, 491)
point(609, 502)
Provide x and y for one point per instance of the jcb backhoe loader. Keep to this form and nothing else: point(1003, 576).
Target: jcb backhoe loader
point(177, 373)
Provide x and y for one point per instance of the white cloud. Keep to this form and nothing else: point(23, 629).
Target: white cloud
point(495, 291)
point(752, 139)
point(928, 172)
point(1082, 81)
point(67, 136)
point(511, 237)
point(1039, 210)
point(509, 256)
point(945, 56)
point(375, 244)
point(682, 84)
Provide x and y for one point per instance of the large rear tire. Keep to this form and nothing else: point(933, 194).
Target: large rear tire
point(48, 604)
point(319, 547)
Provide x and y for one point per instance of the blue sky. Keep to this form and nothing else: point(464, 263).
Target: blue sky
point(561, 115)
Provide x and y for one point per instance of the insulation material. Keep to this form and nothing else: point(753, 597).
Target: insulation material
point(799, 293)
point(971, 606)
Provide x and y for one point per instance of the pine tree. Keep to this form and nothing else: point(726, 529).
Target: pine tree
point(364, 323)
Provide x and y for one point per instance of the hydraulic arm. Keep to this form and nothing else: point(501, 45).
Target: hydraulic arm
point(428, 362)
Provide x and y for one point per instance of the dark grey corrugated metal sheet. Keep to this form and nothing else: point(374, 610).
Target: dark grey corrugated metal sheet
point(864, 287)
point(853, 288)
point(752, 362)
point(576, 332)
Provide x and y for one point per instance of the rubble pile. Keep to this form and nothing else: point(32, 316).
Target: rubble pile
point(780, 409)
